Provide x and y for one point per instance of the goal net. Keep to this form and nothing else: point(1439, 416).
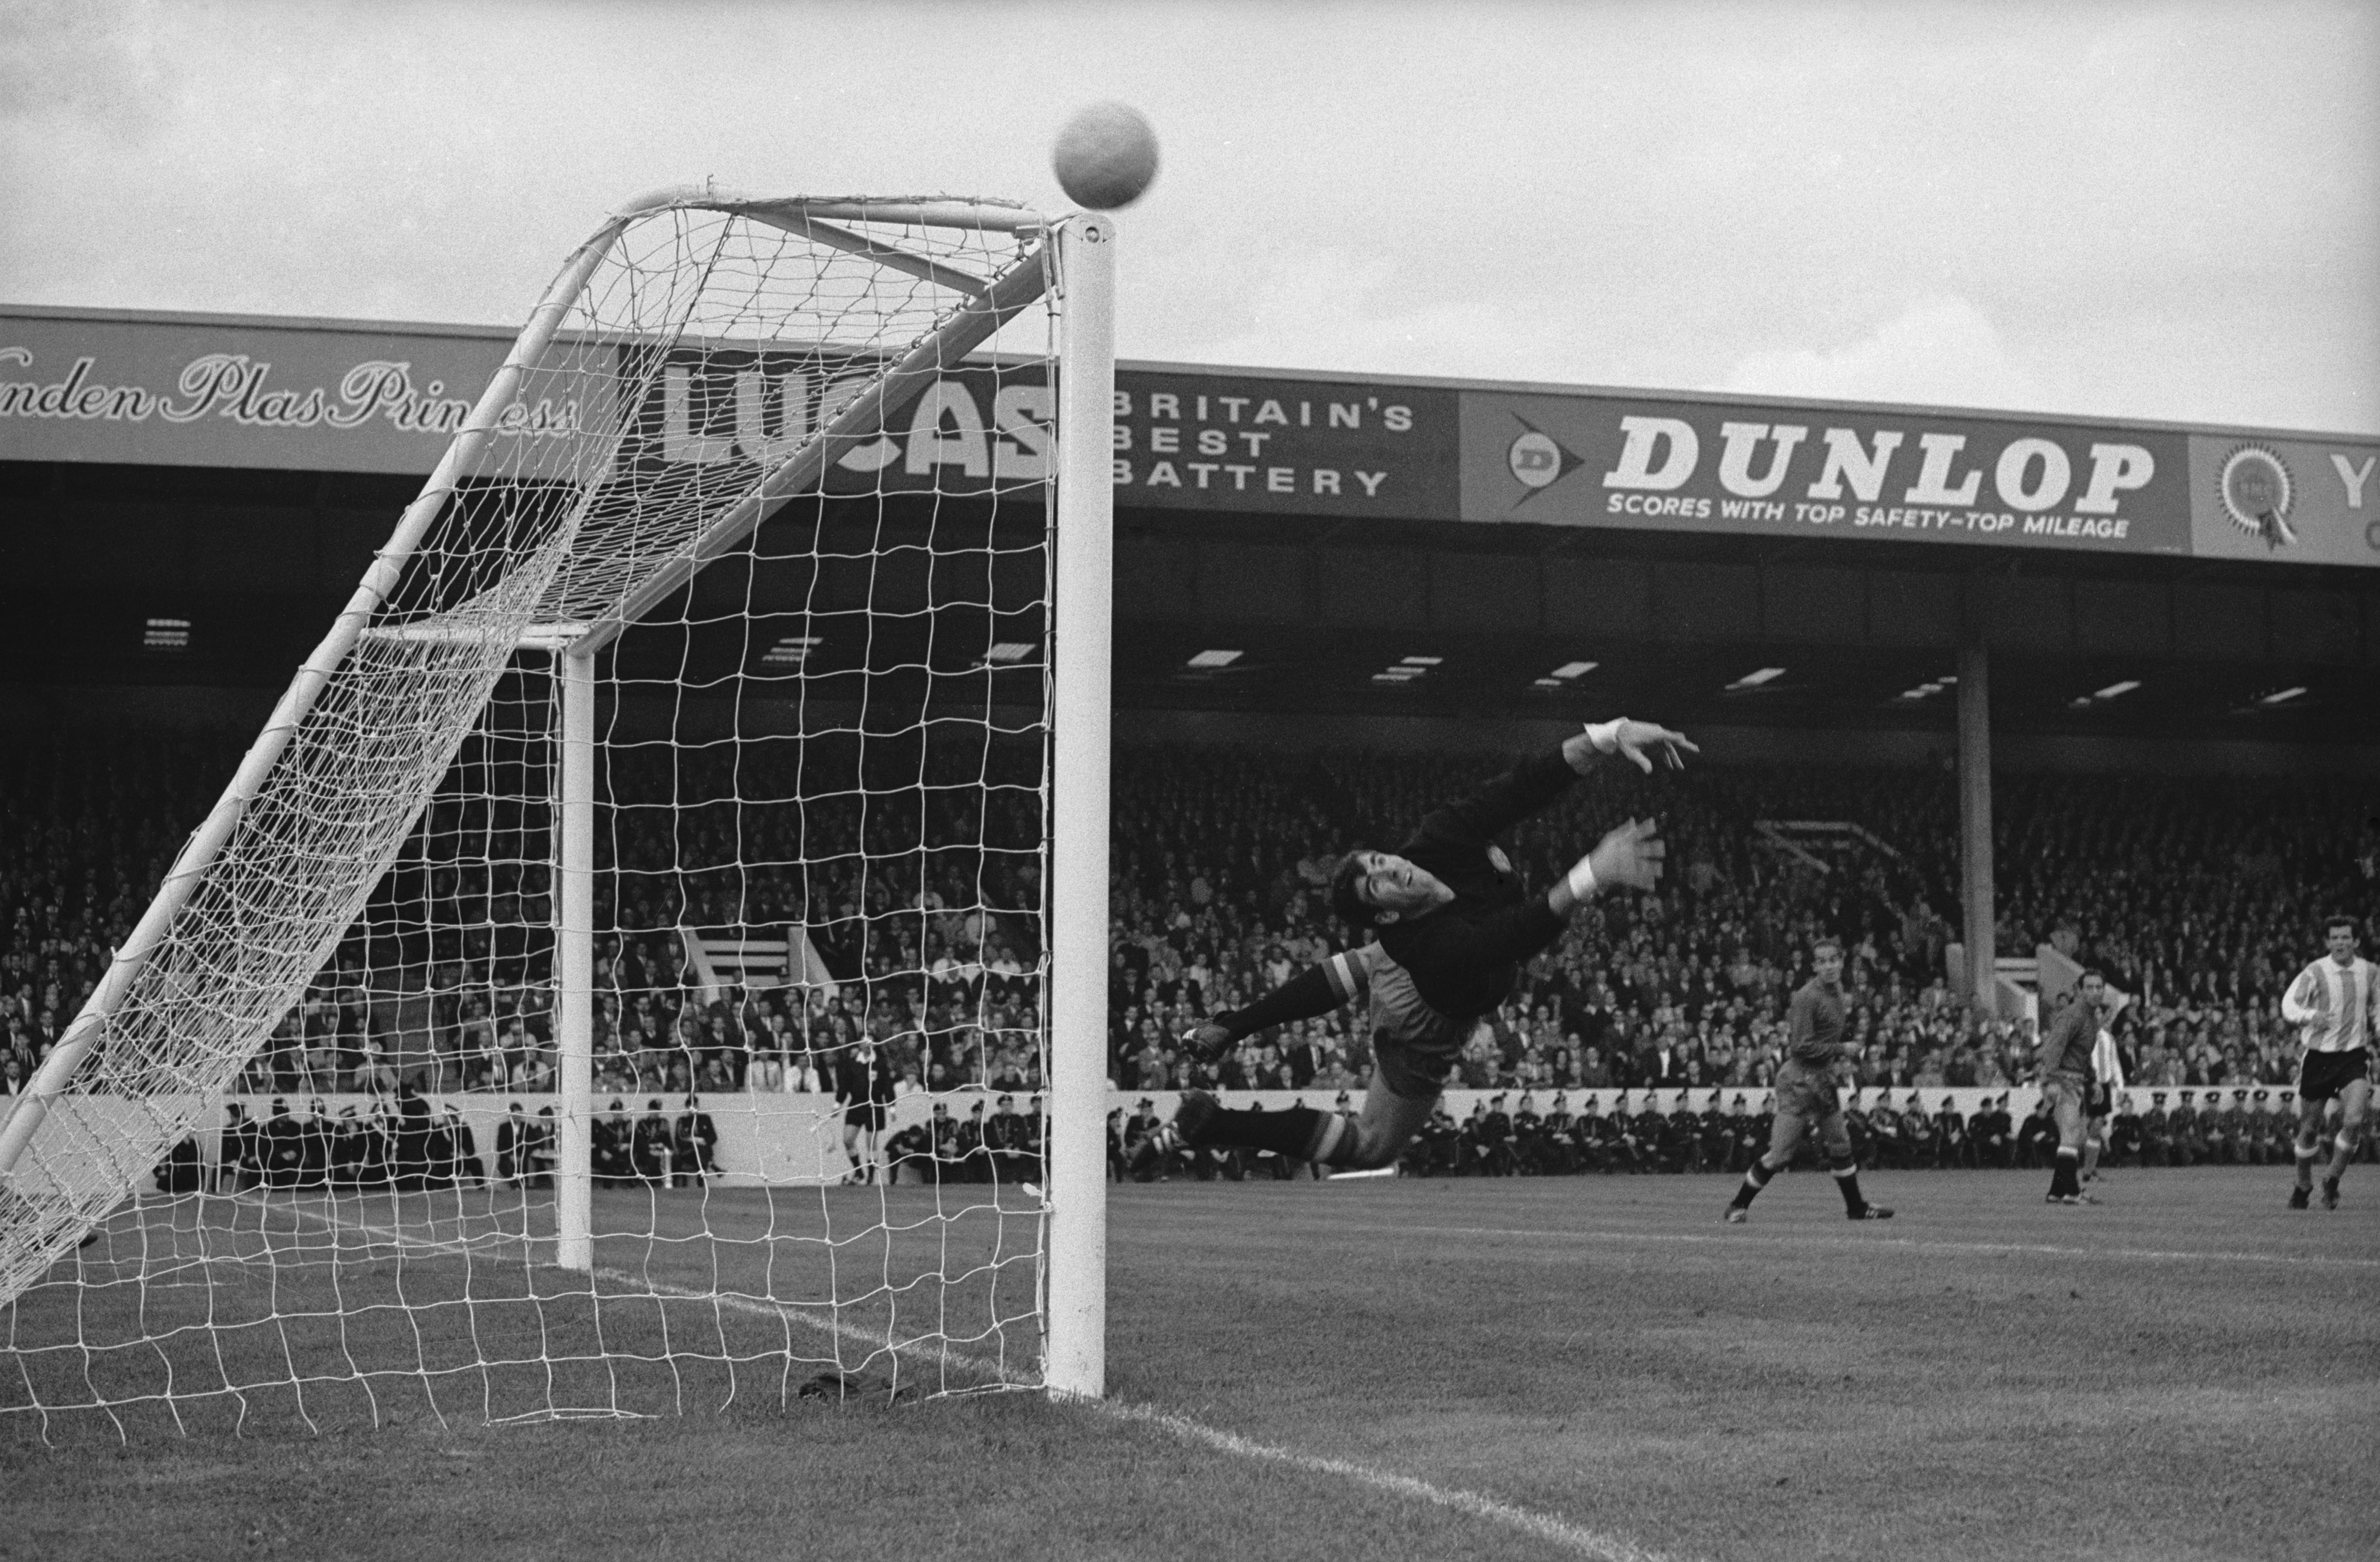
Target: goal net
point(635, 968)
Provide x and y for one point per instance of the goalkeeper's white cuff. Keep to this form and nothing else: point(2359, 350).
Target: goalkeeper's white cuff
point(1605, 735)
point(1582, 880)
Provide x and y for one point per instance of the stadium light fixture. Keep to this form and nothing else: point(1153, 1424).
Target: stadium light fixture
point(2282, 696)
point(166, 634)
point(1570, 670)
point(1214, 658)
point(2083, 702)
point(790, 651)
point(1405, 669)
point(1758, 676)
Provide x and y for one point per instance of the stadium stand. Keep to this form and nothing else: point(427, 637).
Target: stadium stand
point(2196, 896)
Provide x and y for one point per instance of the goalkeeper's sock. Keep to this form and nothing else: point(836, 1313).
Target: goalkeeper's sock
point(2065, 1182)
point(1308, 993)
point(1847, 1182)
point(1335, 1142)
point(1756, 1176)
point(1290, 1133)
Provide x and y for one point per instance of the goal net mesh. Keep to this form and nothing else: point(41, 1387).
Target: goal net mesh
point(787, 465)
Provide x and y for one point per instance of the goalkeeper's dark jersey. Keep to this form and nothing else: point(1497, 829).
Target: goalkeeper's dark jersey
point(2072, 1035)
point(1815, 1025)
point(1464, 956)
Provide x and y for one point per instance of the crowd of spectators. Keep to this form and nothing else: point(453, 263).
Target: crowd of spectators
point(89, 823)
point(2199, 897)
point(920, 901)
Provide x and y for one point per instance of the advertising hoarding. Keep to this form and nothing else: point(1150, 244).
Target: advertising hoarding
point(235, 392)
point(1190, 440)
point(2289, 501)
point(1651, 464)
point(311, 397)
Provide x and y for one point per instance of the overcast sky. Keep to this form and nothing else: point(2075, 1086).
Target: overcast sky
point(2155, 209)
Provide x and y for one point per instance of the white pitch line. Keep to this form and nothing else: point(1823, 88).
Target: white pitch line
point(1587, 1542)
point(1891, 1245)
point(1543, 1526)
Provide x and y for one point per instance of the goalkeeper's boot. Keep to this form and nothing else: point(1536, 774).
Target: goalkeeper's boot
point(2330, 1192)
point(1192, 1118)
point(1208, 1043)
point(1869, 1212)
point(2300, 1198)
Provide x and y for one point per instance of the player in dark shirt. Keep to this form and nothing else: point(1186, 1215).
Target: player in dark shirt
point(864, 1087)
point(1807, 1093)
point(2065, 1076)
point(1453, 922)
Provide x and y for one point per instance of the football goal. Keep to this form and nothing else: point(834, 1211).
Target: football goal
point(654, 954)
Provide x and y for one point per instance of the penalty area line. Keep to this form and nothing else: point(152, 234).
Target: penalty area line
point(1527, 1520)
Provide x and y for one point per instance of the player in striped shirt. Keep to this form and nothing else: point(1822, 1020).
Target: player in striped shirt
point(2335, 1002)
point(2106, 1078)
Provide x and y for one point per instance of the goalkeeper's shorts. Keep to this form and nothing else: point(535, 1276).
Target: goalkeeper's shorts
point(1416, 1070)
point(1807, 1093)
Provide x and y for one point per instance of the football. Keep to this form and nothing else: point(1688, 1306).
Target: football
point(1105, 157)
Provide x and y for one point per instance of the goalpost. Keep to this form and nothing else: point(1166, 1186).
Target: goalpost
point(727, 716)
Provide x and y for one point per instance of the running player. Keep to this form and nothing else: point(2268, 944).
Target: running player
point(1807, 1093)
point(2065, 1076)
point(2106, 1078)
point(1452, 924)
point(864, 1087)
point(2335, 1002)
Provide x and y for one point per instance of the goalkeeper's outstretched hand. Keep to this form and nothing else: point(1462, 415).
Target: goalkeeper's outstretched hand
point(1631, 856)
point(1638, 741)
point(1206, 1041)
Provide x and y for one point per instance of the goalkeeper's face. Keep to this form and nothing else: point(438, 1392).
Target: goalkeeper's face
point(1394, 888)
point(1826, 964)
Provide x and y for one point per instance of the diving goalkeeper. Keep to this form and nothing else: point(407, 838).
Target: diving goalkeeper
point(1453, 925)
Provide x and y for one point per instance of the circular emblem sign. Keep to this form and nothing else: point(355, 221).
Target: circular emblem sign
point(1535, 459)
point(2257, 492)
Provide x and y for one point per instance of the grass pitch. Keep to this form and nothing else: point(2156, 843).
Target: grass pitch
point(1550, 1368)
